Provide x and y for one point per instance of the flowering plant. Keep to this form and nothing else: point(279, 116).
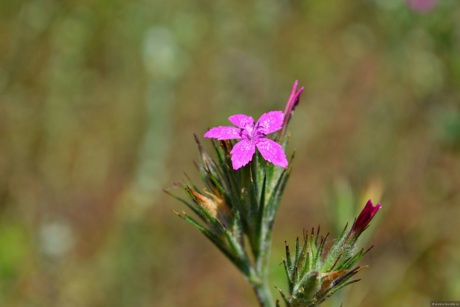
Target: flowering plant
point(239, 204)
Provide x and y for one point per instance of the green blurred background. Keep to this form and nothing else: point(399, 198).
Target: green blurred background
point(99, 100)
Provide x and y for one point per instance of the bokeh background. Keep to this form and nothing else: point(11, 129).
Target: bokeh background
point(99, 100)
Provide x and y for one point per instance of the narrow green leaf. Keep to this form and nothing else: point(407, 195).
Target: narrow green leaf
point(285, 299)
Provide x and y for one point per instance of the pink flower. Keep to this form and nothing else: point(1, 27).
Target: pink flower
point(365, 217)
point(421, 5)
point(252, 136)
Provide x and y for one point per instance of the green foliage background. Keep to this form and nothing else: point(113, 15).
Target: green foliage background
point(99, 100)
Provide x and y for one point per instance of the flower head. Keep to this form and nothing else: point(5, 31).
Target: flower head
point(365, 217)
point(422, 5)
point(252, 135)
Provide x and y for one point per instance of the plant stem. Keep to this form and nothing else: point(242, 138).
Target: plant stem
point(259, 278)
point(260, 285)
point(263, 293)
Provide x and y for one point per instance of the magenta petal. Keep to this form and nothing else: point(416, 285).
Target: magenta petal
point(241, 120)
point(270, 122)
point(365, 217)
point(223, 133)
point(272, 152)
point(242, 153)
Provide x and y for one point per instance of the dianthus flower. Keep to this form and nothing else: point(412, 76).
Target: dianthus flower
point(252, 135)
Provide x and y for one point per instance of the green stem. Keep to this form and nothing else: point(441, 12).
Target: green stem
point(263, 293)
point(260, 283)
point(262, 262)
point(265, 240)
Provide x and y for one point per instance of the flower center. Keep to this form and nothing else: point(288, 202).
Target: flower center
point(251, 133)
